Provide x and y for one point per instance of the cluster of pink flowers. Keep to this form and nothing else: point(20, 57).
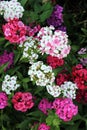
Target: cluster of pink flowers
point(79, 75)
point(22, 101)
point(65, 109)
point(7, 57)
point(61, 78)
point(43, 126)
point(3, 100)
point(15, 31)
point(54, 62)
point(54, 43)
point(45, 105)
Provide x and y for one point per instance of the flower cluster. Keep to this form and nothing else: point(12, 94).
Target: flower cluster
point(43, 126)
point(54, 43)
point(45, 105)
point(41, 74)
point(79, 74)
point(3, 100)
point(9, 84)
point(65, 109)
point(53, 90)
point(7, 58)
point(15, 31)
point(54, 62)
point(30, 49)
point(22, 101)
point(56, 18)
point(11, 9)
point(69, 90)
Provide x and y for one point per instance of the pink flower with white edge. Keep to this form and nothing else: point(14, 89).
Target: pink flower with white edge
point(43, 126)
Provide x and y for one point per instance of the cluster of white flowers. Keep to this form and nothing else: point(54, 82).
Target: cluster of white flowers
point(11, 9)
point(30, 49)
point(53, 42)
point(53, 90)
point(69, 89)
point(10, 84)
point(41, 74)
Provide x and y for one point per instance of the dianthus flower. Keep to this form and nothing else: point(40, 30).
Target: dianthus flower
point(69, 89)
point(41, 74)
point(22, 101)
point(9, 84)
point(43, 126)
point(61, 78)
point(30, 50)
point(11, 9)
point(31, 32)
point(45, 105)
point(54, 43)
point(79, 75)
point(7, 58)
point(81, 96)
point(65, 109)
point(15, 31)
point(53, 90)
point(54, 62)
point(3, 100)
point(56, 18)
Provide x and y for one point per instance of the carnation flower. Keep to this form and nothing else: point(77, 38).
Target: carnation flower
point(53, 90)
point(79, 75)
point(15, 31)
point(30, 49)
point(3, 100)
point(43, 126)
point(22, 101)
point(45, 105)
point(61, 78)
point(54, 62)
point(11, 9)
point(7, 58)
point(65, 109)
point(69, 89)
point(9, 84)
point(54, 43)
point(41, 74)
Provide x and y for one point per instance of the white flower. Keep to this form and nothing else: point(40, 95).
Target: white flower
point(9, 84)
point(69, 89)
point(41, 74)
point(11, 9)
point(53, 90)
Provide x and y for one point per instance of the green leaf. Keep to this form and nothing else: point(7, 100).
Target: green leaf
point(26, 80)
point(23, 2)
point(45, 15)
point(3, 67)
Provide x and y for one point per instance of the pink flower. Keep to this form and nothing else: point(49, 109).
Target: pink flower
point(43, 126)
point(3, 100)
point(15, 31)
point(44, 105)
point(22, 101)
point(65, 109)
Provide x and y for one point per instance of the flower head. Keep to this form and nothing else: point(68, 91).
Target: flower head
point(3, 100)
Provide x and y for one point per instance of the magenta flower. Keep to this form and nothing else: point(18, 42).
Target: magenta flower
point(44, 105)
point(3, 100)
point(65, 109)
point(43, 126)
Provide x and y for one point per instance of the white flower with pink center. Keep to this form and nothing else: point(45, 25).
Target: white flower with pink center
point(54, 43)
